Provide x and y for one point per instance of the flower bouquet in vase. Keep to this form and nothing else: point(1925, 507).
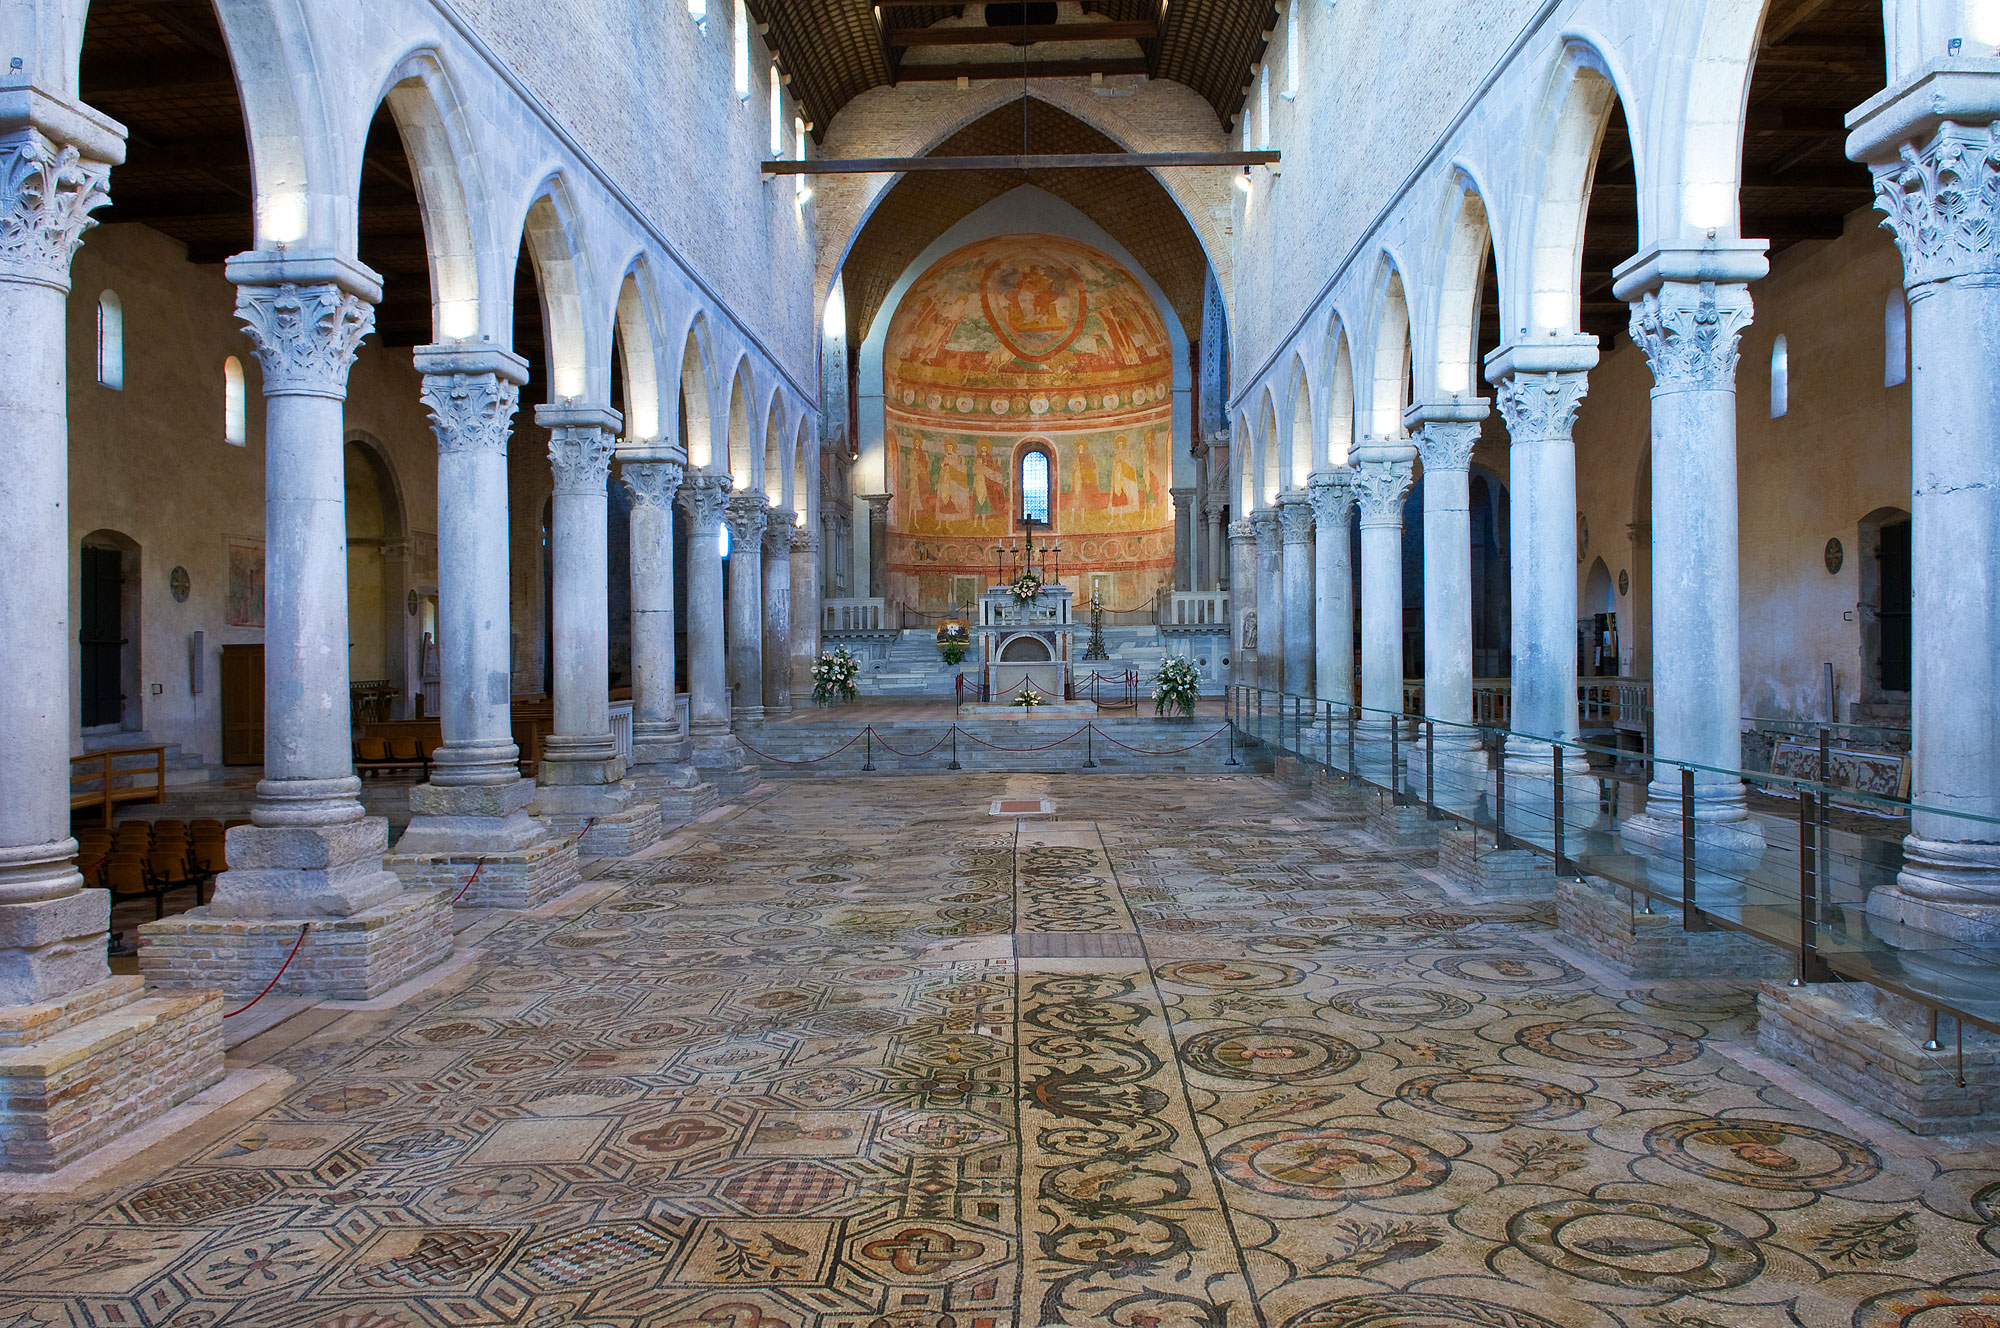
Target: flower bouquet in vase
point(833, 676)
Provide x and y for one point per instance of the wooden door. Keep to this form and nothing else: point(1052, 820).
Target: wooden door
point(243, 705)
point(102, 637)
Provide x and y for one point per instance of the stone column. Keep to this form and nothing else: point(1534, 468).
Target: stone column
point(1184, 534)
point(1689, 331)
point(1332, 494)
point(1447, 433)
point(746, 515)
point(396, 621)
point(1218, 534)
point(1268, 595)
point(582, 775)
point(652, 476)
point(777, 592)
point(1938, 180)
point(1382, 472)
point(717, 756)
point(1295, 517)
point(310, 855)
point(1198, 572)
point(1243, 604)
point(474, 806)
point(1539, 387)
point(878, 544)
point(805, 606)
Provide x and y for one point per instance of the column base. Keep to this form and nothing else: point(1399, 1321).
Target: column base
point(1867, 1045)
point(1726, 855)
point(51, 947)
point(721, 762)
point(1531, 801)
point(569, 761)
point(1460, 777)
point(351, 958)
point(521, 863)
point(1606, 922)
point(746, 714)
point(305, 871)
point(619, 822)
point(1468, 859)
point(78, 1072)
point(1948, 888)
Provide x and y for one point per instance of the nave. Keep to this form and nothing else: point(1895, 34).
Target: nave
point(1016, 1050)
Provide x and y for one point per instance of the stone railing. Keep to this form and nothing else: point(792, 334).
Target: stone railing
point(621, 727)
point(1195, 608)
point(860, 615)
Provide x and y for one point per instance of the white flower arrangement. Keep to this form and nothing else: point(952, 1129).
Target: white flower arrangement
point(1026, 586)
point(833, 676)
point(1176, 687)
point(1028, 699)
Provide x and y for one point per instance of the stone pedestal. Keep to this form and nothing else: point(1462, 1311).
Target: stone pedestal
point(1468, 859)
point(1269, 581)
point(661, 770)
point(1609, 924)
point(454, 832)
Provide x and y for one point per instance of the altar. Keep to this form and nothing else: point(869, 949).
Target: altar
point(1024, 642)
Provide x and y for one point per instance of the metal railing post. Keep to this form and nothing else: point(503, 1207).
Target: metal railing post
point(1430, 770)
point(1811, 967)
point(1500, 799)
point(1691, 918)
point(954, 750)
point(868, 748)
point(1825, 820)
point(1557, 750)
point(1329, 733)
point(1089, 756)
point(1260, 714)
point(1229, 727)
point(1395, 760)
point(1350, 772)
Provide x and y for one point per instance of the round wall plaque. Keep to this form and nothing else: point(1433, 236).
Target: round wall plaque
point(1624, 582)
point(413, 602)
point(177, 582)
point(1835, 555)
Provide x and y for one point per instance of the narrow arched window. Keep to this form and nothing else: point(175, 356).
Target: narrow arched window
point(235, 415)
point(1037, 482)
point(1292, 54)
point(1781, 378)
point(742, 52)
point(1264, 107)
point(110, 341)
point(698, 10)
point(1896, 340)
point(777, 112)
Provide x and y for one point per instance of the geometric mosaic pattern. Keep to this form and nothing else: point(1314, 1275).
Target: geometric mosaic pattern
point(1186, 1055)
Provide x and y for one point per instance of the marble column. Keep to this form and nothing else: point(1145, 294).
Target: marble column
point(580, 750)
point(1332, 494)
point(1198, 572)
point(777, 592)
point(703, 498)
point(805, 606)
point(746, 516)
point(1184, 536)
point(652, 474)
point(396, 623)
point(878, 545)
point(1295, 518)
point(1266, 591)
point(1938, 181)
point(1689, 331)
point(1219, 563)
point(58, 159)
point(1539, 386)
point(1446, 434)
point(475, 802)
point(1382, 473)
point(1243, 604)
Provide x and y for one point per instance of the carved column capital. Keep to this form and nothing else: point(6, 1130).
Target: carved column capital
point(1242, 532)
point(1183, 496)
point(1266, 529)
point(51, 189)
point(580, 457)
point(1379, 490)
point(778, 531)
point(805, 539)
point(651, 483)
point(471, 412)
point(703, 498)
point(746, 516)
point(1690, 332)
point(1446, 444)
point(1332, 496)
point(1541, 407)
point(1295, 515)
point(305, 336)
point(1942, 202)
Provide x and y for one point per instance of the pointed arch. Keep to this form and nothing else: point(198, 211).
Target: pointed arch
point(741, 460)
point(1242, 451)
point(550, 232)
point(1269, 476)
point(1339, 393)
point(424, 105)
point(774, 451)
point(1468, 240)
point(641, 359)
point(804, 497)
point(1581, 100)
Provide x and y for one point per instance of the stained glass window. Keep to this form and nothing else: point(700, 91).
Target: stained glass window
point(1035, 486)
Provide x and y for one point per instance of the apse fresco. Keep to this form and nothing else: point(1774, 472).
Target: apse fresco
point(1009, 342)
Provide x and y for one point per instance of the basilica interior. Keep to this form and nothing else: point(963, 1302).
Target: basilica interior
point(890, 664)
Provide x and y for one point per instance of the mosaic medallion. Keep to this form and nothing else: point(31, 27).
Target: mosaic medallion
point(1635, 1245)
point(1617, 1042)
point(1414, 1311)
point(1931, 1307)
point(1399, 1004)
point(1516, 970)
point(1271, 1054)
point(1499, 1099)
point(1231, 974)
point(1332, 1163)
point(1764, 1154)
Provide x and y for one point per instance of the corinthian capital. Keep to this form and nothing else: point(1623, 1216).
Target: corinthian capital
point(1690, 332)
point(651, 483)
point(51, 189)
point(1379, 490)
point(471, 412)
point(805, 539)
point(1541, 406)
point(580, 455)
point(1242, 532)
point(1446, 444)
point(703, 497)
point(1264, 528)
point(1942, 202)
point(305, 335)
point(746, 517)
point(778, 531)
point(1295, 514)
point(1332, 497)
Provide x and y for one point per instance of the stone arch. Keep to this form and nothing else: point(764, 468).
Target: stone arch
point(1270, 473)
point(424, 104)
point(741, 458)
point(1468, 239)
point(1581, 95)
point(696, 397)
point(641, 358)
point(804, 497)
point(774, 451)
point(1389, 361)
point(1241, 456)
point(1707, 108)
point(1302, 457)
point(1339, 393)
point(551, 234)
point(298, 185)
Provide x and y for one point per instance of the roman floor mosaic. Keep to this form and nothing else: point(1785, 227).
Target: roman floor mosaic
point(1181, 1053)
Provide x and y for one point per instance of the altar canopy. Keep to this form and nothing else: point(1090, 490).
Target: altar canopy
point(1007, 356)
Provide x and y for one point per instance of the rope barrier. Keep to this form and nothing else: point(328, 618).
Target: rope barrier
point(1018, 750)
point(303, 929)
point(1173, 751)
point(815, 760)
point(910, 756)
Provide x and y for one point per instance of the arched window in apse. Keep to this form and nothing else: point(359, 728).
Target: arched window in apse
point(1781, 378)
point(1293, 56)
point(110, 341)
point(1035, 485)
point(777, 112)
point(235, 412)
point(1896, 340)
point(742, 17)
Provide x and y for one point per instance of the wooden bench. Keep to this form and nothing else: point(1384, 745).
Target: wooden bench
point(102, 780)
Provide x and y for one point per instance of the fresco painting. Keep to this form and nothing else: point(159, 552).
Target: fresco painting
point(1025, 339)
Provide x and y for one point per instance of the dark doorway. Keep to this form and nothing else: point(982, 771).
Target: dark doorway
point(1892, 564)
point(103, 637)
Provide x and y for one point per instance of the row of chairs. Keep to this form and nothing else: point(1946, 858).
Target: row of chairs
point(149, 859)
point(377, 756)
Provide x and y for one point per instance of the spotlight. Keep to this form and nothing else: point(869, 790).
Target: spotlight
point(1243, 180)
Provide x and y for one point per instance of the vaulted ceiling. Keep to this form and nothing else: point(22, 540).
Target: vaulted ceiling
point(836, 49)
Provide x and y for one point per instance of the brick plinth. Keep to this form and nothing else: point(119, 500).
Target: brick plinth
point(354, 958)
point(1867, 1045)
point(1404, 827)
point(1603, 921)
point(678, 806)
point(524, 878)
point(619, 835)
point(1469, 859)
point(77, 1073)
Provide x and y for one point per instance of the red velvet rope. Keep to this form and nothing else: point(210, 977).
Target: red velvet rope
point(275, 976)
point(911, 755)
point(1057, 743)
point(1172, 751)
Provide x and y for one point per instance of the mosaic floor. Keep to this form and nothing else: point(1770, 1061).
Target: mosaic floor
point(869, 1055)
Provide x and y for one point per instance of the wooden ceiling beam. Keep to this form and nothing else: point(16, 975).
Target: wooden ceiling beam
point(1787, 16)
point(923, 73)
point(1012, 36)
